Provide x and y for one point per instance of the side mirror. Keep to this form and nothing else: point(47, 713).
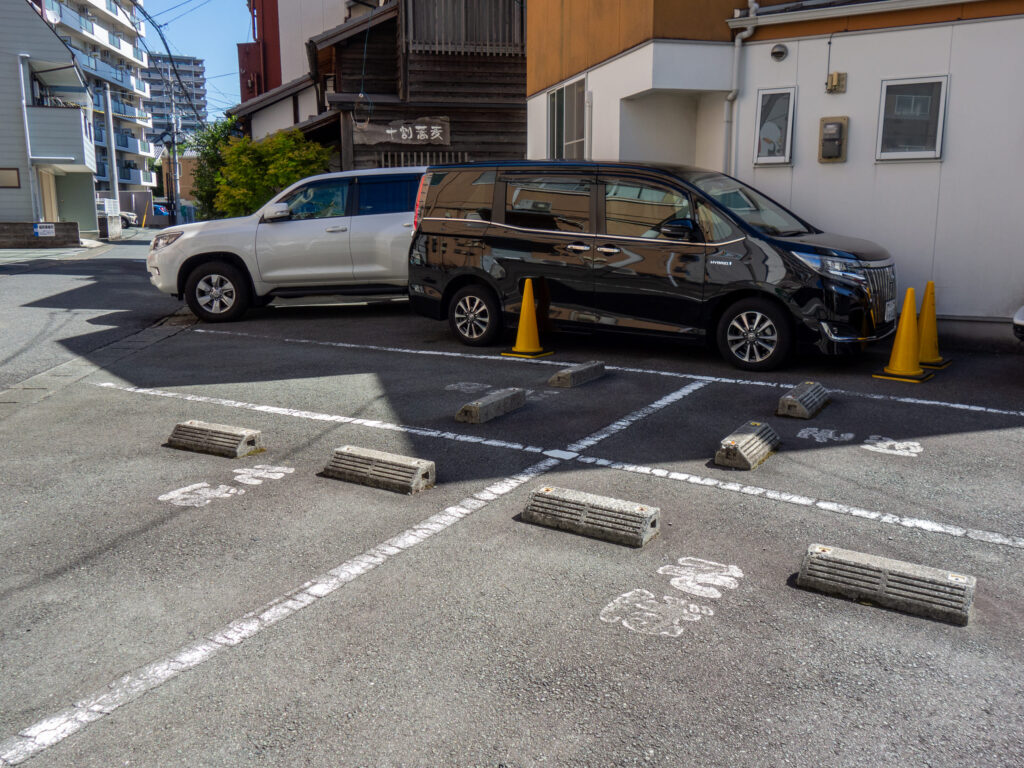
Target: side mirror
point(277, 212)
point(682, 229)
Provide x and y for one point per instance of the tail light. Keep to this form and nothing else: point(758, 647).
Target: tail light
point(421, 195)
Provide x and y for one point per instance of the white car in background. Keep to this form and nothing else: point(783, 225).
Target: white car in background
point(342, 233)
point(1018, 324)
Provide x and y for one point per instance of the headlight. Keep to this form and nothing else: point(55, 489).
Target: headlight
point(833, 266)
point(164, 239)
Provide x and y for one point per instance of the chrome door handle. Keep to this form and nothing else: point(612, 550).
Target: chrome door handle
point(609, 249)
point(407, 224)
point(336, 229)
point(577, 247)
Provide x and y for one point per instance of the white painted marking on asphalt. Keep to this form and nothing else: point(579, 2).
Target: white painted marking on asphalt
point(491, 358)
point(623, 369)
point(824, 435)
point(256, 475)
point(44, 734)
point(624, 423)
point(199, 494)
point(639, 611)
point(701, 577)
point(990, 537)
point(52, 730)
point(881, 444)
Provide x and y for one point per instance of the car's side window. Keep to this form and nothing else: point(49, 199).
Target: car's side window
point(717, 228)
point(638, 209)
point(319, 200)
point(561, 204)
point(387, 194)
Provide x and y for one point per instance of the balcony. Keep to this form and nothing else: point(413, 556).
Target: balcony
point(113, 12)
point(98, 34)
point(101, 171)
point(124, 111)
point(127, 143)
point(62, 137)
point(126, 175)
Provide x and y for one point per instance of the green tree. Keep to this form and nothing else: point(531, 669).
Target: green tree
point(255, 171)
point(209, 144)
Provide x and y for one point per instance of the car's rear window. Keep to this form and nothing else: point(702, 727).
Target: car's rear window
point(460, 195)
point(387, 194)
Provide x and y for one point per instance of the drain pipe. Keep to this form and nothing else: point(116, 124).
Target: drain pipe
point(728, 162)
point(33, 187)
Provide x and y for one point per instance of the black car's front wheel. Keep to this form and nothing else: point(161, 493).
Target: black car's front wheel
point(474, 315)
point(217, 292)
point(755, 335)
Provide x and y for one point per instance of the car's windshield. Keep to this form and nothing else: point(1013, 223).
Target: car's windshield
point(748, 204)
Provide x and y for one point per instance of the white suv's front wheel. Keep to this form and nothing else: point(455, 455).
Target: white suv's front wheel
point(217, 292)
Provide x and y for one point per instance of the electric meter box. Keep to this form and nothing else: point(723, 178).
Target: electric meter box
point(832, 138)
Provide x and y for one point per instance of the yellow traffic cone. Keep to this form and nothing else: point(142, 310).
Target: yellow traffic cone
point(903, 363)
point(928, 333)
point(527, 338)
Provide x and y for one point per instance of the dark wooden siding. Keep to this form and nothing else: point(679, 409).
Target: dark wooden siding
point(466, 78)
point(382, 62)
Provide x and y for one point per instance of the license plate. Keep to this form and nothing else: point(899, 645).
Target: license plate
point(890, 310)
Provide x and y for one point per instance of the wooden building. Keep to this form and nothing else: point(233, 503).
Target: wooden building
point(414, 82)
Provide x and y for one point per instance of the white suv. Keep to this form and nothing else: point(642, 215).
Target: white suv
point(335, 234)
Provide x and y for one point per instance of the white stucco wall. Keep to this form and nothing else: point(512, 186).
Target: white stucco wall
point(955, 220)
point(307, 104)
point(273, 118)
point(649, 103)
point(298, 21)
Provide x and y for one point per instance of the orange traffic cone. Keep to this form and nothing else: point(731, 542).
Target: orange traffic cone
point(903, 363)
point(928, 333)
point(527, 338)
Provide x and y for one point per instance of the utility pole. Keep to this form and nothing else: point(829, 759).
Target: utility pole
point(112, 151)
point(173, 193)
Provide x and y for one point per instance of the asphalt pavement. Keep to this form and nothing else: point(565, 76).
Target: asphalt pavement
point(161, 607)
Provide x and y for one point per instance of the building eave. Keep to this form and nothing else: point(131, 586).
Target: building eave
point(246, 108)
point(351, 28)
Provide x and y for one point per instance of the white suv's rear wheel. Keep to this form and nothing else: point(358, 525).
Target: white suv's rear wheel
point(217, 292)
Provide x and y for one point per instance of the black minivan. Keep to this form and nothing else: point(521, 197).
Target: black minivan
point(641, 248)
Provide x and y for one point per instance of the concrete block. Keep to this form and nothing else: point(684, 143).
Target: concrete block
point(600, 517)
point(915, 589)
point(748, 446)
point(218, 439)
point(803, 401)
point(377, 469)
point(576, 375)
point(491, 406)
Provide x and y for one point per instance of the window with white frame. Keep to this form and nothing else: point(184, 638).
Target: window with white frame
point(910, 118)
point(566, 121)
point(774, 125)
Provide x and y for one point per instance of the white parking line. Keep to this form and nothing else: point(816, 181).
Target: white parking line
point(624, 369)
point(573, 452)
point(54, 729)
point(931, 526)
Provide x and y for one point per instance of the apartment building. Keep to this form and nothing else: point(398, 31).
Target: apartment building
point(47, 155)
point(172, 100)
point(890, 120)
point(107, 38)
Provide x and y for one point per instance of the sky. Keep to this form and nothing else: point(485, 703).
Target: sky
point(209, 30)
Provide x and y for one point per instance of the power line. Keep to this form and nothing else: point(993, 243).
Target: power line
point(138, 7)
point(165, 11)
point(186, 13)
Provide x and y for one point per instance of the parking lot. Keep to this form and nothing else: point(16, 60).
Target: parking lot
point(162, 607)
